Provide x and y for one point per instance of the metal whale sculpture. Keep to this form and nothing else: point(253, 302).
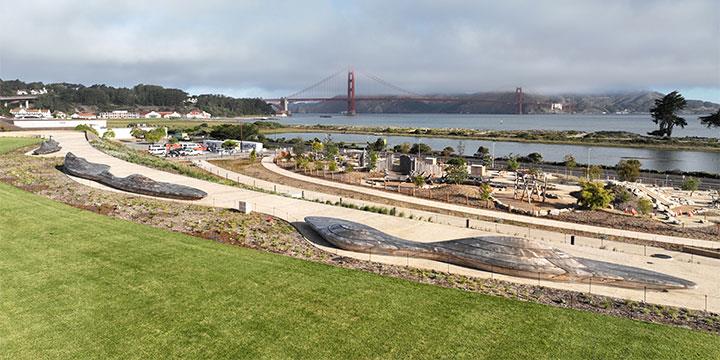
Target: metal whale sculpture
point(500, 254)
point(135, 183)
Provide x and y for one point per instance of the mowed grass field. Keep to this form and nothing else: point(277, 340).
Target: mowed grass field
point(11, 143)
point(74, 284)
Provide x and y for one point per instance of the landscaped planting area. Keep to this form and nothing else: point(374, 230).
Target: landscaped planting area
point(78, 284)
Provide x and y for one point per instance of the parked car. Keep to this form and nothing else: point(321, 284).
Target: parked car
point(157, 150)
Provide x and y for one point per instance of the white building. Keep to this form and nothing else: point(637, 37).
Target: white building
point(198, 114)
point(23, 113)
point(59, 115)
point(558, 107)
point(84, 116)
point(119, 114)
point(170, 114)
point(152, 115)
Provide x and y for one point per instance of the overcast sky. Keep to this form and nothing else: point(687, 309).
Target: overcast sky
point(273, 48)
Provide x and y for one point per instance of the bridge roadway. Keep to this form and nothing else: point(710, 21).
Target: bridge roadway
point(294, 210)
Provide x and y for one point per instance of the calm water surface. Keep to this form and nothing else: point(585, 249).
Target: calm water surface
point(639, 124)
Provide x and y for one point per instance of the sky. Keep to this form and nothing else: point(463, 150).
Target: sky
point(274, 48)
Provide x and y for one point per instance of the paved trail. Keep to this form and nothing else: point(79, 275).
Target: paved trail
point(294, 210)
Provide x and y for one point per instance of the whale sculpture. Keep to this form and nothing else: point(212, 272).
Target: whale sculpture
point(134, 183)
point(48, 146)
point(500, 254)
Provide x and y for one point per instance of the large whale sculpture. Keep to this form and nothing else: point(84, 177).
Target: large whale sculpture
point(134, 183)
point(500, 254)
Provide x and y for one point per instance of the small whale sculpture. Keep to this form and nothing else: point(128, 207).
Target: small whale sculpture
point(500, 254)
point(134, 183)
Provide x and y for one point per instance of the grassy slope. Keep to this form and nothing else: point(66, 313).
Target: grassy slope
point(77, 284)
point(11, 143)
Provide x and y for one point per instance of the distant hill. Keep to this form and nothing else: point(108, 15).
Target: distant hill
point(504, 103)
point(75, 97)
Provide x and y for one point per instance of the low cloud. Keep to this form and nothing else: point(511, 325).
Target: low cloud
point(274, 48)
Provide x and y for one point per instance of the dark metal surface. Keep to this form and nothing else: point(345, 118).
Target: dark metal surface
point(134, 183)
point(501, 254)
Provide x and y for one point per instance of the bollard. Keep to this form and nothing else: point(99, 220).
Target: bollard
point(302, 194)
point(467, 223)
point(644, 294)
point(572, 239)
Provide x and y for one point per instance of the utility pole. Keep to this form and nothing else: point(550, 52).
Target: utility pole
point(587, 172)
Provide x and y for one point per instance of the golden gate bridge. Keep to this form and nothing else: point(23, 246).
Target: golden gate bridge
point(338, 87)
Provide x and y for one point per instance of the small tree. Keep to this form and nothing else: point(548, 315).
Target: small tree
point(712, 120)
point(644, 206)
point(628, 170)
point(299, 148)
point(403, 148)
point(155, 135)
point(570, 164)
point(229, 144)
point(484, 154)
point(109, 134)
point(137, 133)
point(512, 163)
point(594, 172)
point(690, 184)
point(378, 145)
point(332, 166)
point(253, 155)
point(317, 147)
point(457, 170)
point(485, 193)
point(349, 168)
point(535, 157)
point(447, 151)
point(420, 148)
point(331, 150)
point(594, 195)
point(663, 114)
point(418, 180)
point(372, 160)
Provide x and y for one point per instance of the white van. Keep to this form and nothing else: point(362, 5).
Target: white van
point(157, 149)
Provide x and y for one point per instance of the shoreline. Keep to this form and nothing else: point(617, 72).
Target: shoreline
point(704, 145)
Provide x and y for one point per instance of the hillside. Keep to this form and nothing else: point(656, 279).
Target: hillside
point(76, 97)
point(504, 103)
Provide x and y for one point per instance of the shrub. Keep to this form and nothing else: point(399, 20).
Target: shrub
point(594, 195)
point(644, 206)
point(109, 134)
point(690, 184)
point(628, 170)
point(84, 127)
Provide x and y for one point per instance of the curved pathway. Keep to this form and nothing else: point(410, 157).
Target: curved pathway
point(294, 210)
point(268, 164)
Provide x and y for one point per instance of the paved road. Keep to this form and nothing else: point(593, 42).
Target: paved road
point(294, 210)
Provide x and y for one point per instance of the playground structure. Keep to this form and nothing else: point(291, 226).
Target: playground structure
point(528, 185)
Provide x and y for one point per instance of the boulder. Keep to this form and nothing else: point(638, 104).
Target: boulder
point(135, 183)
point(48, 146)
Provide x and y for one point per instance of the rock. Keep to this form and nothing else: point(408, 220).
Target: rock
point(48, 146)
point(135, 183)
point(554, 212)
point(501, 254)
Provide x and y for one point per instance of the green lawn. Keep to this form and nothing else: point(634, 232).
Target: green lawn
point(11, 143)
point(74, 284)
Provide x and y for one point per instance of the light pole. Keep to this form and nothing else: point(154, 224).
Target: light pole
point(493, 156)
point(587, 172)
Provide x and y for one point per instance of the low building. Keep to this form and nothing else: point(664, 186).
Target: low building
point(119, 114)
point(59, 115)
point(84, 116)
point(198, 114)
point(151, 115)
point(57, 123)
point(25, 113)
point(477, 170)
point(170, 114)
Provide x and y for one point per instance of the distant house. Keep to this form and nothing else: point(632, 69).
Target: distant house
point(23, 113)
point(84, 116)
point(170, 114)
point(198, 114)
point(151, 115)
point(557, 107)
point(118, 114)
point(59, 115)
